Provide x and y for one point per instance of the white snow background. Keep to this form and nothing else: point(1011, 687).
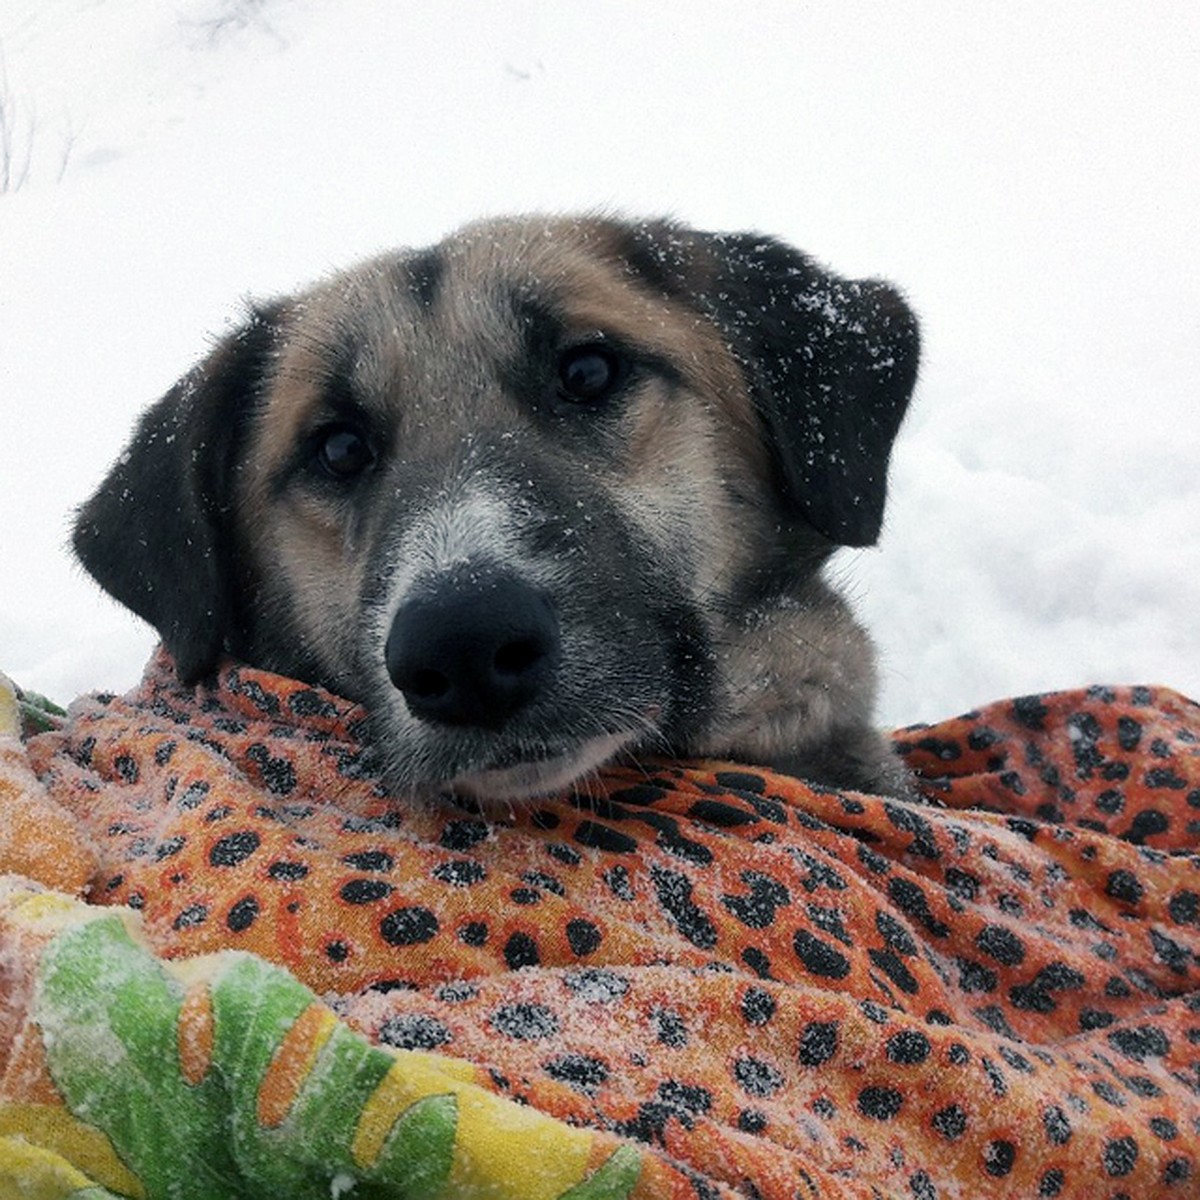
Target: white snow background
point(1029, 174)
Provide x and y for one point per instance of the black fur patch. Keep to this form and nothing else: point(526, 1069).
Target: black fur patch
point(425, 271)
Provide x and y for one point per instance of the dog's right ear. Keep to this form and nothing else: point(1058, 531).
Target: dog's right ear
point(155, 534)
point(829, 363)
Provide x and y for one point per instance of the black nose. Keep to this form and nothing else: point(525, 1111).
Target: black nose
point(473, 651)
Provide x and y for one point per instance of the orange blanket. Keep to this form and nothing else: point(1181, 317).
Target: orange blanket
point(747, 986)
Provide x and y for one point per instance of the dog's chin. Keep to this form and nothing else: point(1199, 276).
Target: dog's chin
point(513, 782)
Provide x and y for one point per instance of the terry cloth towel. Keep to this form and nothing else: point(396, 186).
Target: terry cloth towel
point(232, 966)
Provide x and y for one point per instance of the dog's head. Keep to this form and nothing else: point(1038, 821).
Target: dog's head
point(543, 492)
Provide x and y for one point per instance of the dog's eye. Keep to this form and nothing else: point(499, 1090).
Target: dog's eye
point(587, 374)
point(343, 452)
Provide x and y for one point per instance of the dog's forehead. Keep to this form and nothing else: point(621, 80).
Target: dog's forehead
point(473, 293)
point(415, 331)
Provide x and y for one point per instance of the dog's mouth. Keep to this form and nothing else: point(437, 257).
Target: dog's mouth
point(525, 773)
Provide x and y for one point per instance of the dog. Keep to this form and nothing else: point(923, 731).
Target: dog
point(552, 492)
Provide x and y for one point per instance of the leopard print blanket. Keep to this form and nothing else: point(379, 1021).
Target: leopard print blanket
point(694, 979)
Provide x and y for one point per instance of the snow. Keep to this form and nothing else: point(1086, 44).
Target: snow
point(1028, 173)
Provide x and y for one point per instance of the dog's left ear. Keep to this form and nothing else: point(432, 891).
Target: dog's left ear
point(154, 535)
point(830, 363)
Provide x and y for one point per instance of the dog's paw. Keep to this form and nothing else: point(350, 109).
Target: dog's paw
point(857, 760)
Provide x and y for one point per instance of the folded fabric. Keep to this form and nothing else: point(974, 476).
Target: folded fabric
point(257, 974)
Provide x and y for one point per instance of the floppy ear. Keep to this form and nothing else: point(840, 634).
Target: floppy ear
point(830, 364)
point(155, 535)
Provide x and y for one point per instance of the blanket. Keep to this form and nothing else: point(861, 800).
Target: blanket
point(231, 965)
